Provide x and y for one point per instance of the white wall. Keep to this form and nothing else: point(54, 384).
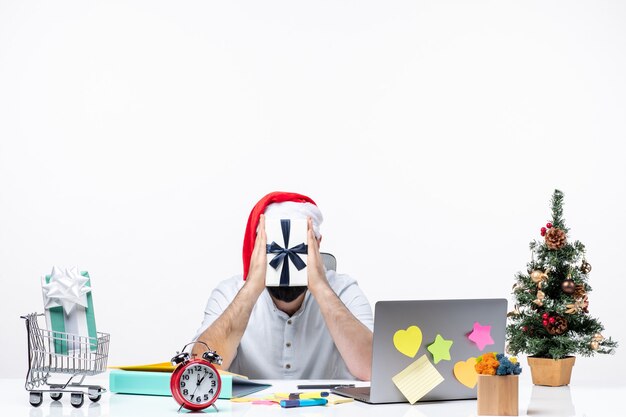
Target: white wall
point(136, 136)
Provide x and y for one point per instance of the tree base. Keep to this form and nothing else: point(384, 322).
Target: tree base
point(551, 372)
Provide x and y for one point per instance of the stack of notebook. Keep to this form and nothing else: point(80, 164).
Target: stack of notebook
point(154, 379)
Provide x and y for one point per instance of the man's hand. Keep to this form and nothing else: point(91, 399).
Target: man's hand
point(258, 260)
point(316, 274)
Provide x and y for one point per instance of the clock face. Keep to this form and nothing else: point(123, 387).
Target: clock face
point(199, 384)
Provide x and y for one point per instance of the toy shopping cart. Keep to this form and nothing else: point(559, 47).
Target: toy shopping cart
point(51, 352)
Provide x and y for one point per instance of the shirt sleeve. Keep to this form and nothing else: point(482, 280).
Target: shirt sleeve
point(220, 299)
point(352, 296)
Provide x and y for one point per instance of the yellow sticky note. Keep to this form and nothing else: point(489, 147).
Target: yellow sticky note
point(408, 341)
point(338, 399)
point(417, 379)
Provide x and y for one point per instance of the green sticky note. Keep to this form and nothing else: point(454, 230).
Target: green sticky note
point(440, 349)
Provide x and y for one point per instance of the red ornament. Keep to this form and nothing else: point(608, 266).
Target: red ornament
point(524, 328)
point(545, 322)
point(548, 225)
point(544, 316)
point(551, 320)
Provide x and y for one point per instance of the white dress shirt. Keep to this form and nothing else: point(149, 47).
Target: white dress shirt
point(276, 346)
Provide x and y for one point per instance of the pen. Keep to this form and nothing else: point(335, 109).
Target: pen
point(299, 395)
point(303, 403)
point(325, 386)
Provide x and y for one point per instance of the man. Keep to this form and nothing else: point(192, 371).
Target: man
point(321, 331)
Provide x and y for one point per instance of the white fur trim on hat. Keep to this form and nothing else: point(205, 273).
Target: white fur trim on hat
point(293, 210)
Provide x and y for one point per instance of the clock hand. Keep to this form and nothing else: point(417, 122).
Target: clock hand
point(193, 394)
point(198, 385)
point(202, 379)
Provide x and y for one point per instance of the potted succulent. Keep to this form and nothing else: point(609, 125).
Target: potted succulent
point(497, 385)
point(551, 321)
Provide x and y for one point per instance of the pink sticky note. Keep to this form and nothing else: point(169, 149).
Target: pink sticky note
point(263, 402)
point(481, 335)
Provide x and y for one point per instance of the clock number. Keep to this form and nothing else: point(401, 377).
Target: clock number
point(198, 399)
point(185, 392)
point(212, 382)
point(211, 391)
point(182, 384)
point(210, 374)
point(206, 397)
point(186, 377)
point(198, 368)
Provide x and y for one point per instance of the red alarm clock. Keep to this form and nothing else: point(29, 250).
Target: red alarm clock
point(195, 382)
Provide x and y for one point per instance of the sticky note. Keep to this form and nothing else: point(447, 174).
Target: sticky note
point(481, 335)
point(465, 372)
point(338, 399)
point(417, 379)
point(254, 399)
point(440, 349)
point(408, 341)
point(264, 402)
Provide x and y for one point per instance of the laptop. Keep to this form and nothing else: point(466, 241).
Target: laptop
point(454, 320)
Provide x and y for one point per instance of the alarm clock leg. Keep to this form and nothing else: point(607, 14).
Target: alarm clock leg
point(214, 406)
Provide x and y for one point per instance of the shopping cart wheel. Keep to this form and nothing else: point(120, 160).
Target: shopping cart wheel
point(77, 399)
point(35, 398)
point(95, 393)
point(56, 396)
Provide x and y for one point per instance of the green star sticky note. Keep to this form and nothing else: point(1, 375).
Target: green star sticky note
point(440, 349)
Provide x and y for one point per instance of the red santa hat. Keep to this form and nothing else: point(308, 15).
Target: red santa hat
point(280, 203)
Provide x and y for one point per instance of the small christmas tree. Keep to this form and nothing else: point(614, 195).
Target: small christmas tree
point(551, 316)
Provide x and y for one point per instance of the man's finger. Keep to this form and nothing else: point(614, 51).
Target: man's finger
point(311, 237)
point(260, 235)
point(310, 234)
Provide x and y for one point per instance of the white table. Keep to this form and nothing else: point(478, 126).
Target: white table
point(577, 400)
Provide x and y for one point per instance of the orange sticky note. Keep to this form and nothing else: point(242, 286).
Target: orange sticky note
point(465, 372)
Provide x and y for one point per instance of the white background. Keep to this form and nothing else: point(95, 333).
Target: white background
point(135, 137)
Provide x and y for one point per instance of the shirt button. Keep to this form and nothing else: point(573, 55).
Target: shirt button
point(288, 366)
point(288, 344)
point(289, 321)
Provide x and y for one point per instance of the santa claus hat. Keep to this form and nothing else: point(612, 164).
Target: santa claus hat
point(278, 204)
